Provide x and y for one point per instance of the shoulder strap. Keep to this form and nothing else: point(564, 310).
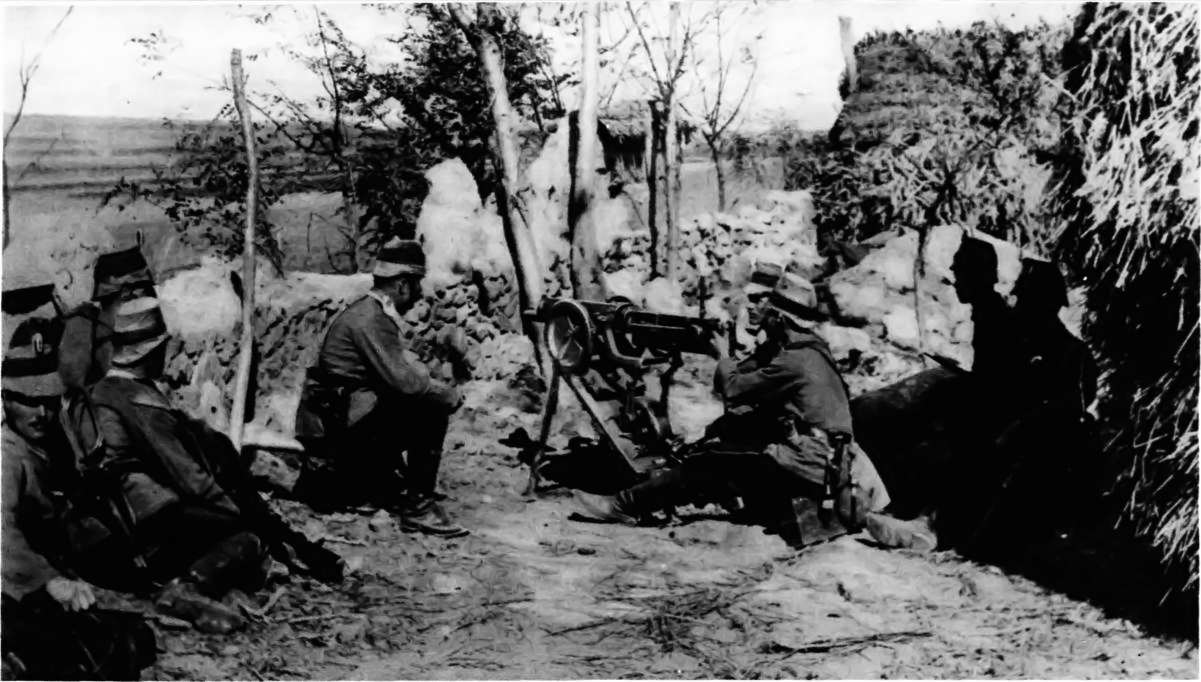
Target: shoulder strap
point(87, 410)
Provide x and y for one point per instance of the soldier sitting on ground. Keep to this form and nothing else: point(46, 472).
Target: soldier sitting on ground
point(50, 628)
point(786, 435)
point(182, 530)
point(369, 400)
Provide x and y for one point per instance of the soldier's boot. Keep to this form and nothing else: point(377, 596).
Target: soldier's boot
point(425, 515)
point(603, 509)
point(181, 598)
point(893, 532)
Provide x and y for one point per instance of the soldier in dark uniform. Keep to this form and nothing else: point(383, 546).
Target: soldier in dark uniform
point(1045, 475)
point(369, 400)
point(50, 629)
point(938, 451)
point(181, 526)
point(786, 424)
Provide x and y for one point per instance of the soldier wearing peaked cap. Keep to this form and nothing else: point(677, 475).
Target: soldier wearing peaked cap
point(49, 629)
point(785, 444)
point(368, 401)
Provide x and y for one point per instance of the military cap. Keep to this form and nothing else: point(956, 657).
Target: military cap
point(788, 292)
point(121, 270)
point(36, 300)
point(138, 329)
point(399, 257)
point(30, 365)
point(977, 253)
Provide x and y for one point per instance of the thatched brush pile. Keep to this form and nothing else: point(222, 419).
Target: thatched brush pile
point(1126, 196)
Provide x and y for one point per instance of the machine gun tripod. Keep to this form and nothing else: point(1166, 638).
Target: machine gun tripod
point(614, 344)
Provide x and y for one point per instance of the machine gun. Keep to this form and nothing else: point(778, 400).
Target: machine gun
point(602, 351)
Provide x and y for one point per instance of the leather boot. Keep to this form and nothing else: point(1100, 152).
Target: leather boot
point(427, 516)
point(181, 599)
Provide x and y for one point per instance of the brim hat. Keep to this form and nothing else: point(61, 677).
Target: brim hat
point(765, 276)
point(30, 365)
point(400, 257)
point(796, 297)
point(138, 329)
point(121, 271)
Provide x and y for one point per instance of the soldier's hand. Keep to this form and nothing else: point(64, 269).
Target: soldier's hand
point(72, 595)
point(719, 344)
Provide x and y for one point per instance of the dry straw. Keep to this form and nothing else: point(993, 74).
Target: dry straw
point(1127, 200)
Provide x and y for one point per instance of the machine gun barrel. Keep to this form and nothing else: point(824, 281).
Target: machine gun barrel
point(620, 332)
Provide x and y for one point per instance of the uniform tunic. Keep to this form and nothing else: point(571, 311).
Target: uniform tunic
point(145, 437)
point(363, 351)
point(33, 518)
point(800, 384)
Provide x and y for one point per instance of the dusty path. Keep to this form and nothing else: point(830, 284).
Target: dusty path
point(532, 594)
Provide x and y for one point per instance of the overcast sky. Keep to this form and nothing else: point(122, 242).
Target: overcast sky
point(91, 68)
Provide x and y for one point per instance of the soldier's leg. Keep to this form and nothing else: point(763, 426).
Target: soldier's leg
point(367, 465)
point(700, 479)
point(204, 553)
point(424, 449)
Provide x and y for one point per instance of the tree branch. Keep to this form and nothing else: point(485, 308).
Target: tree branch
point(27, 72)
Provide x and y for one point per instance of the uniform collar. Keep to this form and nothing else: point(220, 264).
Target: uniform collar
point(388, 306)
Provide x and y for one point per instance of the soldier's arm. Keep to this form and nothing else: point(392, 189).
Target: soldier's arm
point(776, 380)
point(25, 570)
point(384, 352)
point(189, 477)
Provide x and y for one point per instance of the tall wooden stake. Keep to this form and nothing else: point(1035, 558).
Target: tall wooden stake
point(246, 346)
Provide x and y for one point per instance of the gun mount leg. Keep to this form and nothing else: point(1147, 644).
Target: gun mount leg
point(603, 428)
point(548, 415)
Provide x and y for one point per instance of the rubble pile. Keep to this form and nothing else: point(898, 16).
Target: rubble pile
point(719, 248)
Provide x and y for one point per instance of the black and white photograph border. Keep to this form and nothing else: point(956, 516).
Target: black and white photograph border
point(704, 339)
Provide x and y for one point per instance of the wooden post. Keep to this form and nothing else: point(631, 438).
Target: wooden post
point(246, 345)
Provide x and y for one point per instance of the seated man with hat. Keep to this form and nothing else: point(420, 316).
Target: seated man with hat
point(785, 442)
point(181, 527)
point(368, 400)
point(50, 630)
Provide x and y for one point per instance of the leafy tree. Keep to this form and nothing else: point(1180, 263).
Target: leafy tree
point(369, 136)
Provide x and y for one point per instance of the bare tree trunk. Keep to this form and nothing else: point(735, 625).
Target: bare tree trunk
point(526, 263)
point(671, 198)
point(848, 54)
point(721, 176)
point(585, 266)
point(7, 224)
point(246, 346)
point(652, 186)
point(671, 153)
point(351, 211)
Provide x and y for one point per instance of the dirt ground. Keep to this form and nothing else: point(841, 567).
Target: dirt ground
point(533, 594)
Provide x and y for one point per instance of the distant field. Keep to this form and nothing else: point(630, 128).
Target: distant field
point(69, 163)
